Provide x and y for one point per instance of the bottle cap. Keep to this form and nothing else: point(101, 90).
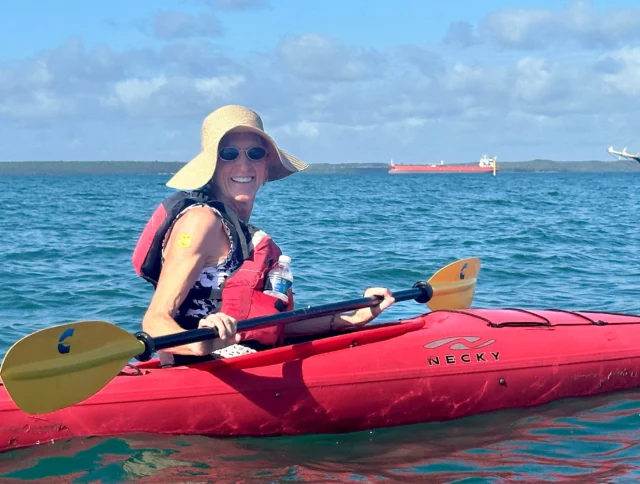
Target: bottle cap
point(284, 259)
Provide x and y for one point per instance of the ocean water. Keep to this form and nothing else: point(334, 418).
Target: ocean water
point(569, 241)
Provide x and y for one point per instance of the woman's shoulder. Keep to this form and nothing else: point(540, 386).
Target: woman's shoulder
point(198, 229)
point(199, 218)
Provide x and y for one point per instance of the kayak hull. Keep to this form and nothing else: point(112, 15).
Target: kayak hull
point(439, 366)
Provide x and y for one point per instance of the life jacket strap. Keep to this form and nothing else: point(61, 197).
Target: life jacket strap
point(241, 233)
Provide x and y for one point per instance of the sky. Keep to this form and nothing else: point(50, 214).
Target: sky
point(350, 81)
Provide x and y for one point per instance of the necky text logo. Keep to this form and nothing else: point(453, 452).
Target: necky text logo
point(466, 348)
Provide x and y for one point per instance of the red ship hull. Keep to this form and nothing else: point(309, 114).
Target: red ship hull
point(404, 169)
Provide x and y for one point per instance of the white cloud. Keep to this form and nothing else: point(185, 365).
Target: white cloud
point(576, 24)
point(533, 80)
point(305, 129)
point(39, 75)
point(466, 78)
point(627, 79)
point(215, 89)
point(131, 92)
point(321, 58)
point(39, 104)
point(517, 26)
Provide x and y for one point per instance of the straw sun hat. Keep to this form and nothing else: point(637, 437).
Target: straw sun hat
point(197, 172)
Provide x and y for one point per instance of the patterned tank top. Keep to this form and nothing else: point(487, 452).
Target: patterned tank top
point(211, 277)
point(191, 311)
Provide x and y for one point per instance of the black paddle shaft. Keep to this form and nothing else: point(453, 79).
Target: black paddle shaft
point(421, 292)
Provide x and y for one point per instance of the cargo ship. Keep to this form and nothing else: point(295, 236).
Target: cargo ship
point(485, 165)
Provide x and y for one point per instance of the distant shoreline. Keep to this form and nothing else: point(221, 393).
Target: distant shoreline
point(8, 168)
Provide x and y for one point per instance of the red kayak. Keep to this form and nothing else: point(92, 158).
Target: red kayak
point(439, 366)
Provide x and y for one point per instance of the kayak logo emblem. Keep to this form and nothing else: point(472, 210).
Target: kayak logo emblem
point(457, 345)
point(63, 342)
point(464, 266)
point(468, 345)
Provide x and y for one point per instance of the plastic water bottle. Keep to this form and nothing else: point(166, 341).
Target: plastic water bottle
point(280, 279)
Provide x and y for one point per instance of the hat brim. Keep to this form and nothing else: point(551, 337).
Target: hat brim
point(198, 171)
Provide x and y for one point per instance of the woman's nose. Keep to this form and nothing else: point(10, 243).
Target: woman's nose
point(243, 160)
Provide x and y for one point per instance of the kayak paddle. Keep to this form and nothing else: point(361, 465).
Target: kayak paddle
point(60, 366)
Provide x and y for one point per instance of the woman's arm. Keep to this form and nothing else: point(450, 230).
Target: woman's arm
point(343, 321)
point(196, 238)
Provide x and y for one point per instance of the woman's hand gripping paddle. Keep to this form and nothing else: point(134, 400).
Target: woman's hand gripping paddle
point(63, 365)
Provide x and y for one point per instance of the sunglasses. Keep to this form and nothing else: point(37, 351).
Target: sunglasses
point(255, 153)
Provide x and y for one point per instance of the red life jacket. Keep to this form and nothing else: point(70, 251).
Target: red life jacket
point(242, 293)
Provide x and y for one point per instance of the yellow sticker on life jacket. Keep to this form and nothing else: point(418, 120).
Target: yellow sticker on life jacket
point(184, 240)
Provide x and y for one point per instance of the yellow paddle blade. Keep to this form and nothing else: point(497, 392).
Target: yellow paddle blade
point(63, 365)
point(454, 285)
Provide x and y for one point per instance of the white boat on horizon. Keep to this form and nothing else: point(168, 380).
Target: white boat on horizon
point(624, 153)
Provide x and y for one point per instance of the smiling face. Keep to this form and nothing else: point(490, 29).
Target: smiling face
point(236, 182)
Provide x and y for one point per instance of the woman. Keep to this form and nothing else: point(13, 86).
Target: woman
point(207, 262)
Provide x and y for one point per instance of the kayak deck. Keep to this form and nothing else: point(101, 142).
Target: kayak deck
point(438, 366)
